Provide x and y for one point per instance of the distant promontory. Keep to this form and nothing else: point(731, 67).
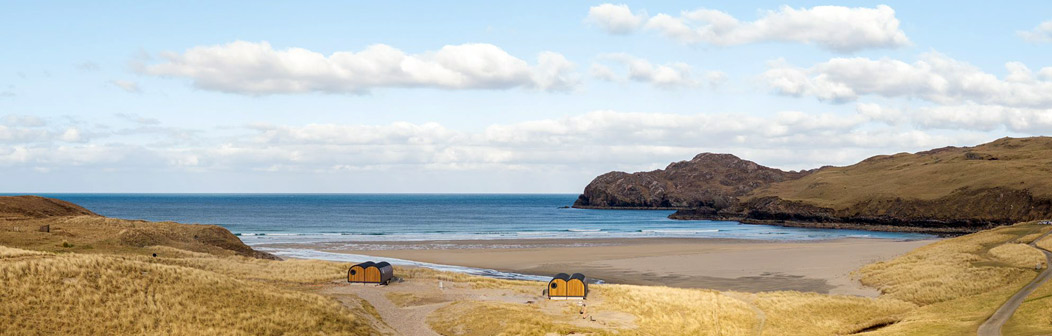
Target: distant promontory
point(945, 190)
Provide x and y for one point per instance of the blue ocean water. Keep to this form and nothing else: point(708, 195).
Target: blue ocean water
point(279, 218)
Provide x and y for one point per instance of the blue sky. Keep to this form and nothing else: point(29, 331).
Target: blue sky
point(489, 97)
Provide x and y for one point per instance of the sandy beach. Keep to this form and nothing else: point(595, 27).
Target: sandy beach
point(722, 264)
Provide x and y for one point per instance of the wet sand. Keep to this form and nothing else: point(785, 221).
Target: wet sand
point(722, 264)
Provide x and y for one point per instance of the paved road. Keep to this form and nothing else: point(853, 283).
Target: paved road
point(992, 326)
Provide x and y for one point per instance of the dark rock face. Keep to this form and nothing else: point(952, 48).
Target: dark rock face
point(963, 211)
point(713, 181)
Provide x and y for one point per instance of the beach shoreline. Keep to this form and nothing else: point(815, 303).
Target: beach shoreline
point(821, 266)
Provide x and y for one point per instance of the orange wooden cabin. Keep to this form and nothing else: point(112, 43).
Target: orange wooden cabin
point(565, 287)
point(370, 272)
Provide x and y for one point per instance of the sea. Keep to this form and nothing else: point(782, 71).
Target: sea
point(265, 220)
point(302, 218)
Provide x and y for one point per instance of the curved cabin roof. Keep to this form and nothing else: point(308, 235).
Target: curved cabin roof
point(366, 264)
point(578, 276)
point(382, 264)
point(561, 276)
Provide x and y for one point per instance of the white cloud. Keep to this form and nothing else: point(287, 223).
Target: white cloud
point(126, 85)
point(258, 69)
point(837, 28)
point(615, 19)
point(934, 77)
point(985, 118)
point(666, 76)
point(588, 143)
point(1040, 34)
point(602, 72)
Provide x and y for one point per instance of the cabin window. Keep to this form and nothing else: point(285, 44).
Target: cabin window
point(554, 285)
point(353, 272)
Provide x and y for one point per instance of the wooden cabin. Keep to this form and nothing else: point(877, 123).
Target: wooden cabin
point(557, 287)
point(357, 272)
point(577, 286)
point(370, 272)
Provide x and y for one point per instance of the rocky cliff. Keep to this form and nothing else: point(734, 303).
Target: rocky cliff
point(714, 181)
point(949, 190)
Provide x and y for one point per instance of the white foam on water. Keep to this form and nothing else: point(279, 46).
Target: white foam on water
point(356, 258)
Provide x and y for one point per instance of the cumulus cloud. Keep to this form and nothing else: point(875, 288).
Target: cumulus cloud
point(837, 28)
point(615, 19)
point(1040, 34)
point(666, 76)
point(258, 69)
point(934, 77)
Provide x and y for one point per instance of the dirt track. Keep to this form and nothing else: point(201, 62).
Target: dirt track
point(992, 326)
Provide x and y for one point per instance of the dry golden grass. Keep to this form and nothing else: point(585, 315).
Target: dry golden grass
point(1045, 243)
point(293, 270)
point(94, 234)
point(93, 294)
point(1018, 255)
point(799, 313)
point(679, 311)
point(473, 318)
point(7, 252)
point(949, 269)
point(1034, 316)
point(957, 282)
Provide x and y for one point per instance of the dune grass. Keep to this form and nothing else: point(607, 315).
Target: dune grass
point(1018, 255)
point(7, 252)
point(818, 314)
point(92, 294)
point(677, 311)
point(474, 318)
point(1045, 243)
point(293, 270)
point(957, 282)
point(1034, 316)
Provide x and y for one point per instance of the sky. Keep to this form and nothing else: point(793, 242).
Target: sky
point(486, 97)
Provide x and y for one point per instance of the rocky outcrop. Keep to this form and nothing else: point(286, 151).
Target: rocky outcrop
point(713, 181)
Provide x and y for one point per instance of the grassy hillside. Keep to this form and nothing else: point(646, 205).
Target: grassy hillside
point(92, 233)
point(91, 294)
point(1005, 181)
point(1016, 164)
